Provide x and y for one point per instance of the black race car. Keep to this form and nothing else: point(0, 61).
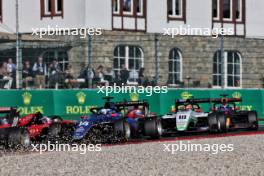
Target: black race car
point(231, 117)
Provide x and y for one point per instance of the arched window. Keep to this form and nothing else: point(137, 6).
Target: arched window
point(131, 57)
point(175, 66)
point(232, 69)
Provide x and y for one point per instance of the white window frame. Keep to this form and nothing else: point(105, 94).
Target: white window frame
point(231, 12)
point(118, 7)
point(56, 7)
point(217, 72)
point(126, 58)
point(225, 65)
point(218, 11)
point(226, 69)
point(241, 11)
point(141, 8)
point(132, 7)
point(174, 9)
point(46, 7)
point(173, 50)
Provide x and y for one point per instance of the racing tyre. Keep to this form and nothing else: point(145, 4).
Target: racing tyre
point(18, 138)
point(212, 123)
point(153, 128)
point(221, 123)
point(253, 120)
point(54, 132)
point(122, 129)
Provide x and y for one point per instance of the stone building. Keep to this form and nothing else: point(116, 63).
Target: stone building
point(135, 33)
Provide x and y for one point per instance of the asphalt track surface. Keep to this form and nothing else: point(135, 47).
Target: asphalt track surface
point(148, 157)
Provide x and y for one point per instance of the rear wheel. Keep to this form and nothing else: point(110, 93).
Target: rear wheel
point(253, 120)
point(153, 128)
point(122, 130)
point(18, 138)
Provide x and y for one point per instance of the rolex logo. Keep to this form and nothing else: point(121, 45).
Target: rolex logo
point(134, 96)
point(27, 98)
point(81, 97)
point(186, 95)
point(236, 95)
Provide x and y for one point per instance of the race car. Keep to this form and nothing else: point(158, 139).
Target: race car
point(44, 127)
point(10, 134)
point(231, 117)
point(104, 124)
point(189, 117)
point(142, 122)
point(115, 121)
point(224, 116)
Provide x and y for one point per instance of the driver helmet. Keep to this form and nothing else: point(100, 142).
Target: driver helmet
point(189, 107)
point(45, 119)
point(224, 107)
point(105, 111)
point(135, 113)
point(3, 121)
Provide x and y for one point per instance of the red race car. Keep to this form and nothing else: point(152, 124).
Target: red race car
point(44, 127)
point(36, 126)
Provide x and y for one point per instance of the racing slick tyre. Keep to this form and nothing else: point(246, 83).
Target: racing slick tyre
point(221, 122)
point(18, 138)
point(212, 123)
point(153, 128)
point(53, 132)
point(122, 129)
point(253, 120)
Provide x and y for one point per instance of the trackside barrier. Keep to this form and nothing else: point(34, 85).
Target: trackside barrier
point(71, 104)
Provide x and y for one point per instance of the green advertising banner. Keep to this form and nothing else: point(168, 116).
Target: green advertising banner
point(71, 104)
point(28, 101)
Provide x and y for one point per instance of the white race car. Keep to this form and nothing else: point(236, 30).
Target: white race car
point(188, 116)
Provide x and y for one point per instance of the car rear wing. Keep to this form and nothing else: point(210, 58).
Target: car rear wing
point(192, 101)
point(207, 100)
point(132, 103)
point(7, 109)
point(225, 100)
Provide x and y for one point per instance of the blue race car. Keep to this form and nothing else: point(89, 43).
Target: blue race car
point(117, 122)
point(105, 124)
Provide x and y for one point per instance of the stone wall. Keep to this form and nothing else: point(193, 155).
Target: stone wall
point(197, 54)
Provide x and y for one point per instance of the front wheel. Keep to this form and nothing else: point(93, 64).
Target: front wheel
point(54, 131)
point(221, 123)
point(153, 128)
point(212, 123)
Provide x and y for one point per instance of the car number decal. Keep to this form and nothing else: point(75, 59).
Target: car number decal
point(182, 116)
point(84, 123)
